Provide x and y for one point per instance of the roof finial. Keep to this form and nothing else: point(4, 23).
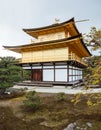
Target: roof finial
point(84, 20)
point(56, 20)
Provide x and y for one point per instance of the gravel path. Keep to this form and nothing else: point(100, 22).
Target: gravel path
point(57, 89)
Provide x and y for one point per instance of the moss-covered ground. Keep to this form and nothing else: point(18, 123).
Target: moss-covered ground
point(53, 114)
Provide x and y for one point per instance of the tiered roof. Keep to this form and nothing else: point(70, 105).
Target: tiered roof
point(75, 40)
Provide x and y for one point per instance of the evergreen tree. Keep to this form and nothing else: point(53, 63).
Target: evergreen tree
point(9, 72)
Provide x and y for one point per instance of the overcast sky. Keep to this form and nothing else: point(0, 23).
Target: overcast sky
point(18, 14)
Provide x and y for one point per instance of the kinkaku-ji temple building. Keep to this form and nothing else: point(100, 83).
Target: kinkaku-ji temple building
point(56, 53)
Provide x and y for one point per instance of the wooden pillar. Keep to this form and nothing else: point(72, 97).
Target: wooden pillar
point(54, 71)
point(42, 71)
point(67, 72)
point(31, 72)
point(22, 75)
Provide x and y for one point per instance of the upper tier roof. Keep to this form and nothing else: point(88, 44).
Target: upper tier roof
point(67, 26)
point(75, 41)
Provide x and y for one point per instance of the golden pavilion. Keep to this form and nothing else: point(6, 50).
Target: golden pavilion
point(56, 53)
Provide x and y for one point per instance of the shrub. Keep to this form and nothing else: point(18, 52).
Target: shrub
point(60, 96)
point(32, 101)
point(76, 99)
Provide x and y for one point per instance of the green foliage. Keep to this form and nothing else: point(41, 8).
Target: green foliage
point(94, 101)
point(77, 99)
point(32, 101)
point(92, 74)
point(9, 72)
point(93, 71)
point(60, 96)
point(27, 74)
point(89, 103)
point(93, 39)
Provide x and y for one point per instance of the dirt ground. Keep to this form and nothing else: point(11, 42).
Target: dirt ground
point(52, 114)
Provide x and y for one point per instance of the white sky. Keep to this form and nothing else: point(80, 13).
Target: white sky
point(18, 14)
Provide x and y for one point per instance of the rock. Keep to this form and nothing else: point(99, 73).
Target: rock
point(89, 124)
point(25, 88)
point(44, 123)
point(78, 128)
point(2, 90)
point(85, 128)
point(8, 93)
point(13, 90)
point(82, 128)
point(71, 126)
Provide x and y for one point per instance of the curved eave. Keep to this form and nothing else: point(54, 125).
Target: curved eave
point(72, 41)
point(35, 32)
point(85, 47)
point(16, 49)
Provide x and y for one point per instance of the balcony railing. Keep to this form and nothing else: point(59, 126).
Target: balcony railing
point(70, 58)
point(76, 58)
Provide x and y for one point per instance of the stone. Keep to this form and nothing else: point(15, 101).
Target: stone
point(85, 128)
point(8, 93)
point(78, 128)
point(70, 126)
point(82, 129)
point(89, 124)
point(25, 88)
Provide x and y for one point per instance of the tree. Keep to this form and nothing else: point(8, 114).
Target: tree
point(9, 73)
point(93, 71)
point(93, 39)
point(32, 101)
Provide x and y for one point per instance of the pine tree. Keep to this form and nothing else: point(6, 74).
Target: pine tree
point(9, 73)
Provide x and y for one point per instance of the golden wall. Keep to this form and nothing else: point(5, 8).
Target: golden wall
point(52, 36)
point(56, 54)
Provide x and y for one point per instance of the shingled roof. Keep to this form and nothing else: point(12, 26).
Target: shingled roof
point(67, 24)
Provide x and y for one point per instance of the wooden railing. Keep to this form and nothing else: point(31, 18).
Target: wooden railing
point(71, 57)
point(76, 58)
